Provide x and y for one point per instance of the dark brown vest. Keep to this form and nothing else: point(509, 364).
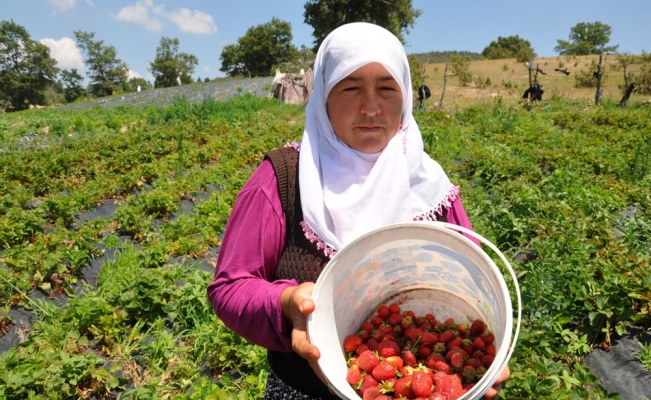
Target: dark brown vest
point(301, 261)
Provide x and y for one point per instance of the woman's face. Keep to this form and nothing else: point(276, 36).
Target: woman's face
point(365, 108)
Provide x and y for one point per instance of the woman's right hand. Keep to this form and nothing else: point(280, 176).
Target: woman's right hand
point(297, 303)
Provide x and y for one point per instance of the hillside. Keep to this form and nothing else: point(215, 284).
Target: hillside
point(509, 79)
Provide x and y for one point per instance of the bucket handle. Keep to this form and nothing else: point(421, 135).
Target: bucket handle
point(485, 241)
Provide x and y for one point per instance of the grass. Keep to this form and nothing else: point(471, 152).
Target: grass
point(509, 79)
point(561, 187)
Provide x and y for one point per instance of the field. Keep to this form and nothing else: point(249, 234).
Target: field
point(508, 80)
point(111, 218)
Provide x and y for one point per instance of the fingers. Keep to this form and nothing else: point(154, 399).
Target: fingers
point(495, 389)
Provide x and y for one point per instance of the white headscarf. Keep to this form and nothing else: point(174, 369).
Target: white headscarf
point(346, 193)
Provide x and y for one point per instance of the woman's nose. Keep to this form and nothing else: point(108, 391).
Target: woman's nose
point(370, 103)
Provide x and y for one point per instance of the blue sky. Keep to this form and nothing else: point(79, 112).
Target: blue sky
point(204, 27)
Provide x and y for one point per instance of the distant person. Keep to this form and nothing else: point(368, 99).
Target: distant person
point(360, 166)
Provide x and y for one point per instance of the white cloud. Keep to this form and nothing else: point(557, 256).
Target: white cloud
point(66, 53)
point(145, 13)
point(62, 5)
point(133, 74)
point(140, 14)
point(193, 21)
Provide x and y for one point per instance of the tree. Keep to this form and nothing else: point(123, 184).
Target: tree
point(26, 68)
point(72, 87)
point(587, 38)
point(262, 47)
point(508, 47)
point(326, 15)
point(107, 73)
point(169, 64)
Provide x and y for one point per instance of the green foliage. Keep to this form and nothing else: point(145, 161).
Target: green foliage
point(106, 71)
point(72, 83)
point(508, 47)
point(262, 47)
point(170, 65)
point(26, 68)
point(326, 15)
point(562, 189)
point(587, 38)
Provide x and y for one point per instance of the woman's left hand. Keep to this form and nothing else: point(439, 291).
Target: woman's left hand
point(493, 391)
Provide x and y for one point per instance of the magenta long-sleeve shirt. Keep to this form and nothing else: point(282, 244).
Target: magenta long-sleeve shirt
point(242, 293)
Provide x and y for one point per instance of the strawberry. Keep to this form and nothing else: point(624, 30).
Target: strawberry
point(421, 383)
point(490, 349)
point(487, 360)
point(370, 385)
point(372, 343)
point(477, 327)
point(406, 322)
point(446, 336)
point(473, 362)
point(479, 343)
point(409, 358)
point(429, 338)
point(354, 375)
point(384, 371)
point(402, 388)
point(388, 348)
point(456, 360)
point(456, 342)
point(397, 361)
point(449, 321)
point(351, 342)
point(383, 311)
point(376, 320)
point(366, 326)
point(394, 308)
point(409, 313)
point(438, 365)
point(367, 361)
point(438, 396)
point(463, 328)
point(413, 333)
point(362, 348)
point(395, 319)
point(489, 337)
point(424, 351)
point(450, 385)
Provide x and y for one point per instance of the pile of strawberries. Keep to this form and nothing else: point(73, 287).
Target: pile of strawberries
point(398, 355)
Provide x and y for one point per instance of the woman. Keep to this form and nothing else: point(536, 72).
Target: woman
point(360, 166)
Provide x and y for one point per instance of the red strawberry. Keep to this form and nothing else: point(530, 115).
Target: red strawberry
point(409, 358)
point(479, 343)
point(354, 375)
point(388, 348)
point(376, 320)
point(421, 383)
point(490, 349)
point(367, 361)
point(402, 388)
point(413, 333)
point(384, 371)
point(362, 348)
point(429, 338)
point(446, 336)
point(395, 319)
point(439, 366)
point(370, 392)
point(383, 311)
point(489, 337)
point(487, 360)
point(456, 342)
point(397, 361)
point(463, 328)
point(410, 313)
point(473, 362)
point(477, 327)
point(456, 360)
point(438, 396)
point(366, 326)
point(351, 342)
point(394, 308)
point(424, 351)
point(450, 385)
point(407, 321)
point(370, 385)
point(372, 344)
